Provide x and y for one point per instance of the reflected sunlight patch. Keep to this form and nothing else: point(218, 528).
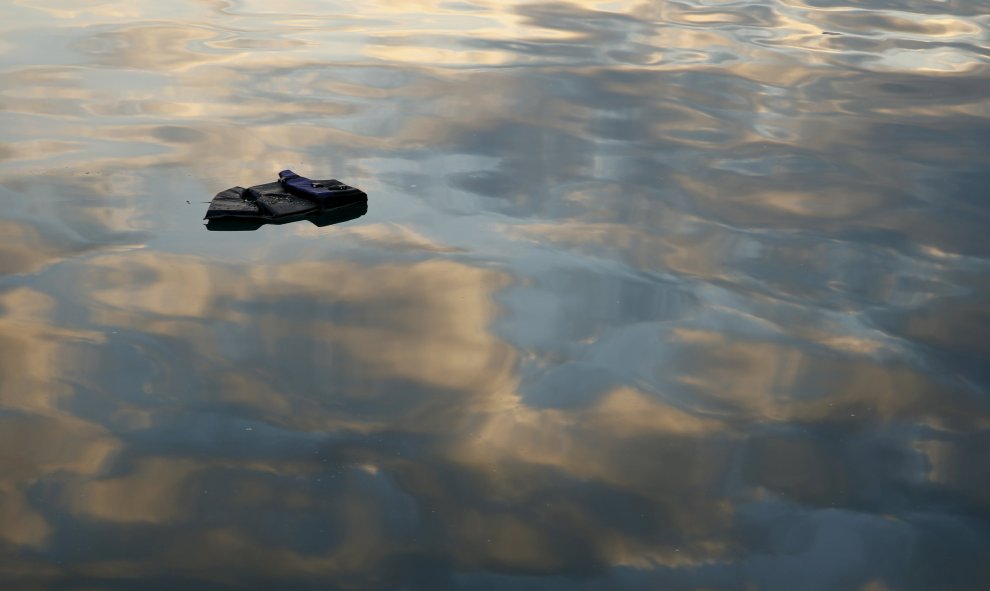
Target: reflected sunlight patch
point(35, 352)
point(154, 491)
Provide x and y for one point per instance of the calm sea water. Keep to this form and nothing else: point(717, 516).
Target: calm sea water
point(650, 295)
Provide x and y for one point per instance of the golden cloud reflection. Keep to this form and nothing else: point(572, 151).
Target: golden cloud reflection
point(377, 410)
point(22, 525)
point(424, 327)
point(33, 348)
point(153, 492)
point(429, 325)
point(771, 371)
point(40, 446)
point(655, 290)
point(24, 251)
point(158, 48)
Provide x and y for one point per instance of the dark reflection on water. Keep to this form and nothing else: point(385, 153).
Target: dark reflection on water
point(650, 295)
point(331, 217)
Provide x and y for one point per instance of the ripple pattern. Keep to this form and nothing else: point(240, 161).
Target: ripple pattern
point(682, 294)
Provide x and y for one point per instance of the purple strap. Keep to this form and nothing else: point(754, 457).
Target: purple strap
point(303, 187)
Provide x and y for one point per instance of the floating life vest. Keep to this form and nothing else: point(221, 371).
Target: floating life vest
point(292, 196)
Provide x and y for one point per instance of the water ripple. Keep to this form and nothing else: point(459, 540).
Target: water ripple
point(684, 294)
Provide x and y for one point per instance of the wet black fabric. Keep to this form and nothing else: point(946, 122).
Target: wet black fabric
point(272, 201)
point(320, 219)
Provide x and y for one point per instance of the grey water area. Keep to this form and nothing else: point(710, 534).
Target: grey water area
point(648, 295)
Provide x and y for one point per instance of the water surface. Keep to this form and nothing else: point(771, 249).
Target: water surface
point(650, 295)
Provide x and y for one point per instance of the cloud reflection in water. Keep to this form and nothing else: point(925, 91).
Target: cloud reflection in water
point(651, 295)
